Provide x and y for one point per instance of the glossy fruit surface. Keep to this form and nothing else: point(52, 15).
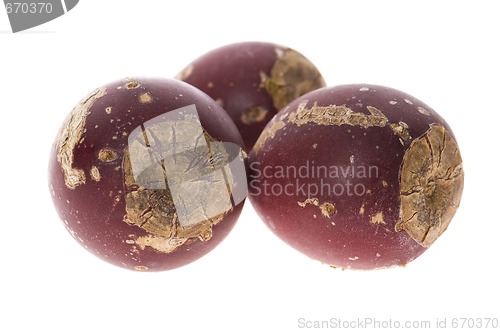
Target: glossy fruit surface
point(357, 176)
point(148, 174)
point(252, 81)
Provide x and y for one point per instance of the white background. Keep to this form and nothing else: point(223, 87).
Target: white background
point(442, 52)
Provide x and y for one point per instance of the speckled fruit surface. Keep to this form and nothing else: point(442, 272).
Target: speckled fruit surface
point(357, 176)
point(252, 81)
point(148, 174)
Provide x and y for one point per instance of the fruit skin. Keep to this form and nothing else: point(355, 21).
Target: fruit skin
point(399, 209)
point(252, 81)
point(96, 196)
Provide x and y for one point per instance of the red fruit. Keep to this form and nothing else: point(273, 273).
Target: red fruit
point(252, 81)
point(357, 176)
point(148, 174)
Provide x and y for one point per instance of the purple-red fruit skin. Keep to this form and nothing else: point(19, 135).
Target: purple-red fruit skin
point(104, 204)
point(252, 81)
point(393, 177)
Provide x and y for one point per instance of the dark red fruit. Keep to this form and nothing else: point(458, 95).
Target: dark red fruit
point(148, 174)
point(357, 176)
point(252, 81)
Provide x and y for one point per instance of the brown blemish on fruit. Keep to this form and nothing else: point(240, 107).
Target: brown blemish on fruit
point(431, 183)
point(333, 115)
point(327, 209)
point(182, 204)
point(70, 134)
point(268, 133)
point(292, 76)
point(183, 75)
point(253, 114)
point(378, 218)
point(107, 155)
point(94, 174)
point(132, 85)
point(146, 98)
point(314, 201)
point(401, 130)
point(384, 183)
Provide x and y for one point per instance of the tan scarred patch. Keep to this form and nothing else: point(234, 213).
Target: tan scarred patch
point(431, 184)
point(292, 76)
point(94, 174)
point(253, 114)
point(173, 218)
point(333, 115)
point(327, 209)
point(70, 134)
point(377, 219)
point(145, 98)
point(107, 155)
point(400, 129)
point(268, 133)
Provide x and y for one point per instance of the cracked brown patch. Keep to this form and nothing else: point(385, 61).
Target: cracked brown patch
point(334, 115)
point(291, 77)
point(70, 134)
point(107, 155)
point(431, 184)
point(253, 114)
point(327, 209)
point(401, 130)
point(176, 191)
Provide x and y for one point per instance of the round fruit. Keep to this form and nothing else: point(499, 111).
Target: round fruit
point(252, 81)
point(357, 176)
point(148, 174)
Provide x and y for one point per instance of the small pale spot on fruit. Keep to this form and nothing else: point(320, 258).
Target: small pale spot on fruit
point(146, 98)
point(364, 89)
point(362, 209)
point(94, 174)
point(423, 111)
point(315, 145)
point(210, 85)
point(378, 218)
point(393, 102)
point(141, 268)
point(408, 102)
point(108, 110)
point(384, 183)
point(355, 258)
point(351, 159)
